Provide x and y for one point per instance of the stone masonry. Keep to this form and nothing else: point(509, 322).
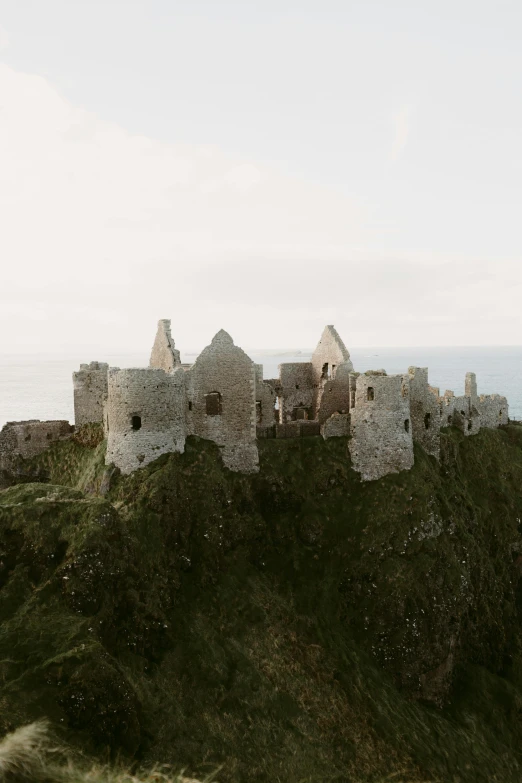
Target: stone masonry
point(224, 398)
point(221, 395)
point(164, 355)
point(26, 439)
point(381, 428)
point(145, 416)
point(90, 392)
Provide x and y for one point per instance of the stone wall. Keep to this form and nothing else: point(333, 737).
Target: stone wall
point(337, 426)
point(145, 416)
point(330, 353)
point(164, 355)
point(265, 399)
point(295, 391)
point(221, 388)
point(25, 439)
point(425, 411)
point(493, 411)
point(90, 392)
point(335, 397)
point(381, 428)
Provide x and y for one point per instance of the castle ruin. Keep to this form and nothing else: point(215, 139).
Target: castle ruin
point(223, 397)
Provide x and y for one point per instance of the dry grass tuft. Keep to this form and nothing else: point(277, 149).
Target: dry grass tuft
point(28, 755)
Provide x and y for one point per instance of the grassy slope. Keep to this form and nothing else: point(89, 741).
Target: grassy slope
point(293, 625)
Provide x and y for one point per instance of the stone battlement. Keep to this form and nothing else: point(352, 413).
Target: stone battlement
point(224, 398)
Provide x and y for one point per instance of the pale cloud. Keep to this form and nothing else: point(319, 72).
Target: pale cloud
point(4, 39)
point(401, 131)
point(103, 232)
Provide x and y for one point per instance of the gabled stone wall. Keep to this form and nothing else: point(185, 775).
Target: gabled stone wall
point(221, 392)
point(329, 354)
point(90, 392)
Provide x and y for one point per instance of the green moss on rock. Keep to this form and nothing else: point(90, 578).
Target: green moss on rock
point(296, 624)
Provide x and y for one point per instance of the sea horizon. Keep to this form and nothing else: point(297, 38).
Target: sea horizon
point(39, 386)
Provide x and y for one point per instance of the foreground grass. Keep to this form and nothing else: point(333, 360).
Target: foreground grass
point(29, 755)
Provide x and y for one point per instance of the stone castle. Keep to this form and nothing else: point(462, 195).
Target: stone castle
point(223, 397)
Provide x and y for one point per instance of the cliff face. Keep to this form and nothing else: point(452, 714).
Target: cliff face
point(287, 625)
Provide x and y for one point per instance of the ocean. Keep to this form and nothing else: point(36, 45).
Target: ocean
point(40, 387)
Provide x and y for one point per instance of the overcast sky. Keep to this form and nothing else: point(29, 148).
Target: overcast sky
point(266, 167)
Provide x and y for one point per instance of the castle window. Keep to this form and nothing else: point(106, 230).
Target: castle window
point(28, 436)
point(258, 412)
point(213, 404)
point(333, 371)
point(297, 386)
point(450, 419)
point(136, 422)
point(469, 424)
point(190, 405)
point(370, 393)
point(407, 425)
point(324, 372)
point(427, 420)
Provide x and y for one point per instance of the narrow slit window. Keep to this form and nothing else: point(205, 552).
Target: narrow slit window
point(407, 425)
point(370, 393)
point(258, 412)
point(324, 372)
point(427, 420)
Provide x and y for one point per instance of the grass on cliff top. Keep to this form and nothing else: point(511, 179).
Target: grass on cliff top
point(294, 625)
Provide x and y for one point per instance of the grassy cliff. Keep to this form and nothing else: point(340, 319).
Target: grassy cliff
point(293, 625)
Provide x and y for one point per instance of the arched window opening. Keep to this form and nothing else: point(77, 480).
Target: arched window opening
point(370, 394)
point(324, 372)
point(407, 425)
point(427, 420)
point(213, 404)
point(136, 422)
